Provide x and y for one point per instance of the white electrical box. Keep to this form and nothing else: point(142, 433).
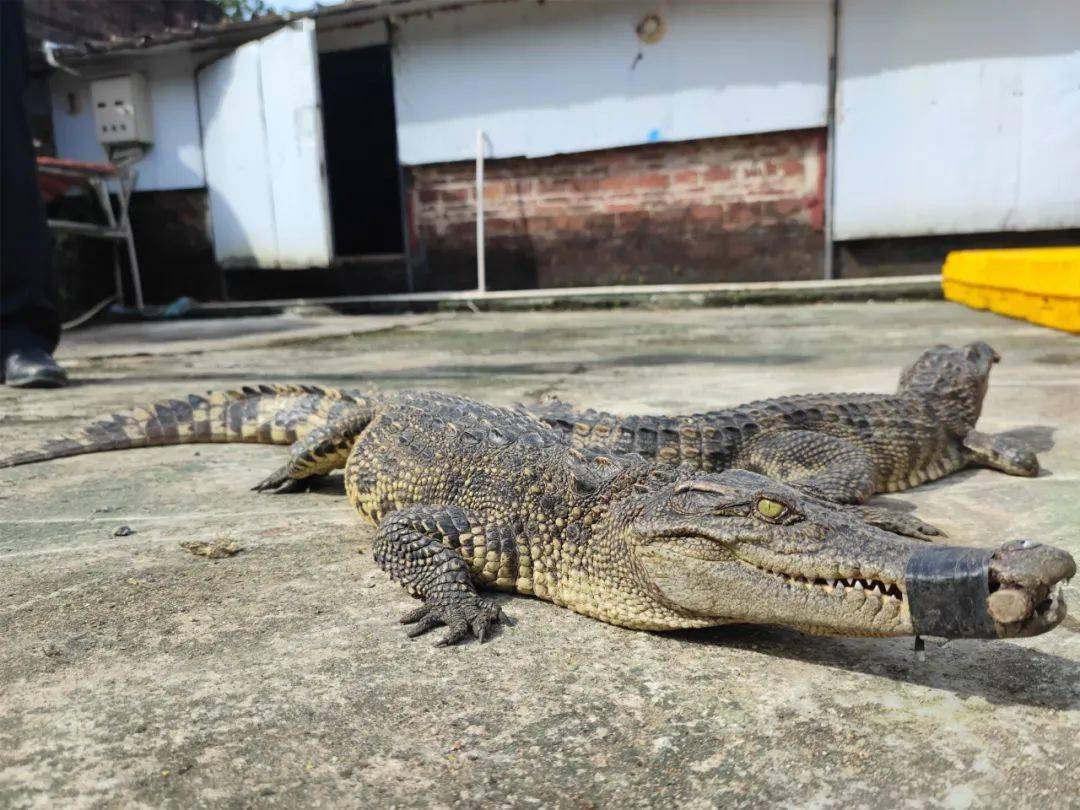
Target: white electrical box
point(122, 110)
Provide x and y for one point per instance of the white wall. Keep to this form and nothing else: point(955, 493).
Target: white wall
point(564, 77)
point(175, 161)
point(956, 117)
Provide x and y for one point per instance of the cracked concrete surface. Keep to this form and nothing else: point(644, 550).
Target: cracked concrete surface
point(135, 673)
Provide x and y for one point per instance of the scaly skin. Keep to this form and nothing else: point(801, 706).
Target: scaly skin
point(468, 495)
point(263, 414)
point(842, 447)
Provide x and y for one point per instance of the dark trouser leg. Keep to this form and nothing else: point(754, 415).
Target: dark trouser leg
point(29, 318)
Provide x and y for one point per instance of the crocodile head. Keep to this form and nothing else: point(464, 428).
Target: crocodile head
point(739, 547)
point(957, 377)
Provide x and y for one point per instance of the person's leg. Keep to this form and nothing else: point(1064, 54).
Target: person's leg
point(29, 318)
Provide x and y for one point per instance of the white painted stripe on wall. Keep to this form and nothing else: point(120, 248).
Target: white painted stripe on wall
point(566, 77)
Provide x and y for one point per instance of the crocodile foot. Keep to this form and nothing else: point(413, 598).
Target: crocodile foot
point(279, 483)
point(898, 523)
point(470, 615)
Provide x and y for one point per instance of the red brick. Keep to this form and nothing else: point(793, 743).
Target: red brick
point(576, 223)
point(498, 189)
point(653, 181)
point(455, 195)
point(631, 219)
point(706, 212)
point(563, 185)
point(718, 174)
point(618, 183)
point(548, 211)
point(793, 167)
point(785, 208)
point(498, 225)
point(740, 215)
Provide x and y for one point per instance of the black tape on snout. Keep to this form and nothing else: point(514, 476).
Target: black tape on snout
point(948, 591)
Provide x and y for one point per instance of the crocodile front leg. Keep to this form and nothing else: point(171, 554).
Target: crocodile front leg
point(422, 547)
point(1004, 453)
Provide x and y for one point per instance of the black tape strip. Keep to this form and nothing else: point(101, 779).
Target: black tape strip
point(948, 590)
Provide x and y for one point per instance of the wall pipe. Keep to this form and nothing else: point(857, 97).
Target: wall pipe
point(481, 268)
point(830, 141)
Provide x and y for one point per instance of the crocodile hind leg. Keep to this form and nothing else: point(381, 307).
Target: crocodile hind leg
point(829, 468)
point(319, 453)
point(1004, 453)
point(426, 549)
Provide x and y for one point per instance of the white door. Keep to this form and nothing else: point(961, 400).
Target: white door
point(263, 151)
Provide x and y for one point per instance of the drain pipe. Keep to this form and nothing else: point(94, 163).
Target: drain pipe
point(481, 267)
point(830, 141)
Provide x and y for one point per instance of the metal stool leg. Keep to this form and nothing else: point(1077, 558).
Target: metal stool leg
point(102, 192)
point(127, 185)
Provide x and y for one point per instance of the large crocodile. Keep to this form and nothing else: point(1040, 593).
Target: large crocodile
point(466, 494)
point(842, 447)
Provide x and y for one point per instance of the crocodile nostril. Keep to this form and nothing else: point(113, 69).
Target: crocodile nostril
point(1015, 545)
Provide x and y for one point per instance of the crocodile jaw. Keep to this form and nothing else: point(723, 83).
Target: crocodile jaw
point(819, 568)
point(733, 591)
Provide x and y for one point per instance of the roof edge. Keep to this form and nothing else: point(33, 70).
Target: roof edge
point(233, 34)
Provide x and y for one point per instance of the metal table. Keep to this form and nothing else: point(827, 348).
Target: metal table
point(57, 175)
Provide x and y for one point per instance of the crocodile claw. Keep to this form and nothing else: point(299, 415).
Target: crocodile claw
point(898, 523)
point(473, 616)
point(279, 483)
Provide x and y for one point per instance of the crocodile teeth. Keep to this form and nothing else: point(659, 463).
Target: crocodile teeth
point(832, 586)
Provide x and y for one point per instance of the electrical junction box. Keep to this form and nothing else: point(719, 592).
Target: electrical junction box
point(122, 110)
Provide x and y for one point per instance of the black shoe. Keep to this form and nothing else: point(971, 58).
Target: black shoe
point(33, 368)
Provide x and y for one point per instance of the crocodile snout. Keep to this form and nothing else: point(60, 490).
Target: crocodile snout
point(1009, 592)
point(1025, 584)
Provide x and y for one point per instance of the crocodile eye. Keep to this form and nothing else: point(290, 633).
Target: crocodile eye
point(771, 509)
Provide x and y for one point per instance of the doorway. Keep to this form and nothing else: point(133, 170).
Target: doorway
point(360, 133)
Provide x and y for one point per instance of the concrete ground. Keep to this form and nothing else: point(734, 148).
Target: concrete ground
point(134, 673)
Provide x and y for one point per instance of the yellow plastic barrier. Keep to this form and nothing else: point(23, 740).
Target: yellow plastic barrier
point(1041, 285)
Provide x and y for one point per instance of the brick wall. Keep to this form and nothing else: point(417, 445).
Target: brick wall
point(726, 209)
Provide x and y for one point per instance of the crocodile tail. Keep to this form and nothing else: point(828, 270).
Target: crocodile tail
point(262, 414)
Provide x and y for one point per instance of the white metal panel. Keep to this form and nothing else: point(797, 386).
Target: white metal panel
point(175, 161)
point(263, 148)
point(237, 163)
point(957, 117)
point(293, 117)
point(567, 77)
point(122, 110)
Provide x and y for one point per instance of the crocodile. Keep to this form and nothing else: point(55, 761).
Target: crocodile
point(467, 496)
point(841, 447)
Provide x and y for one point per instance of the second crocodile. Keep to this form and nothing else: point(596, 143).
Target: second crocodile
point(841, 447)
